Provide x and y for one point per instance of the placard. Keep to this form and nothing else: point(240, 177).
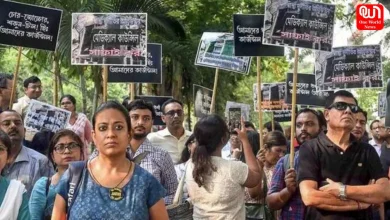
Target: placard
point(382, 104)
point(282, 116)
point(245, 109)
point(152, 73)
point(109, 39)
point(216, 50)
point(248, 34)
point(301, 24)
point(157, 102)
point(41, 116)
point(307, 93)
point(273, 96)
point(349, 67)
point(30, 26)
point(202, 100)
point(387, 117)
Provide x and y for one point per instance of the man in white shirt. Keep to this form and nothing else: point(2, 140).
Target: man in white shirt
point(32, 90)
point(378, 134)
point(173, 138)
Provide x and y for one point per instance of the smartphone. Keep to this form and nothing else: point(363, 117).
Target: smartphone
point(234, 120)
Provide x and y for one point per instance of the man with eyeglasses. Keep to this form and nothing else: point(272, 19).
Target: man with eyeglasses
point(24, 164)
point(155, 160)
point(378, 135)
point(174, 136)
point(5, 90)
point(336, 171)
point(32, 90)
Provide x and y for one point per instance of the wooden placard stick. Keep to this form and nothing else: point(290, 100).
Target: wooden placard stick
point(132, 92)
point(293, 106)
point(212, 108)
point(105, 83)
point(273, 121)
point(259, 101)
point(55, 80)
point(15, 79)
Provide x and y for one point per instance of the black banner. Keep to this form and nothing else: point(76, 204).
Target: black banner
point(29, 25)
point(248, 35)
point(282, 116)
point(152, 73)
point(202, 100)
point(157, 102)
point(307, 93)
point(349, 67)
point(297, 23)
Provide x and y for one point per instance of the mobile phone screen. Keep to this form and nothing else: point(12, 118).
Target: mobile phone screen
point(234, 119)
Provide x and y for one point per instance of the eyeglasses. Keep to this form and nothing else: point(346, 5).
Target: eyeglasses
point(60, 148)
point(172, 113)
point(342, 106)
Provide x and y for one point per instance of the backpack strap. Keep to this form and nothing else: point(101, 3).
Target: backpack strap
point(75, 173)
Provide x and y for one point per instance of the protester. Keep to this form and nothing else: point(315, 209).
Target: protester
point(267, 127)
point(335, 170)
point(249, 126)
point(216, 186)
point(283, 193)
point(5, 90)
point(111, 186)
point(385, 149)
point(32, 90)
point(13, 195)
point(24, 164)
point(155, 160)
point(360, 127)
point(173, 137)
point(287, 132)
point(232, 150)
point(41, 141)
point(377, 130)
point(65, 147)
point(78, 122)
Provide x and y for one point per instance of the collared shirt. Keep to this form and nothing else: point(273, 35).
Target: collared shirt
point(166, 141)
point(29, 167)
point(294, 207)
point(21, 106)
point(158, 163)
point(377, 146)
point(320, 159)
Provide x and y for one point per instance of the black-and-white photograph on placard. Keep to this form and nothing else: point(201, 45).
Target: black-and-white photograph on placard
point(349, 68)
point(248, 35)
point(216, 50)
point(109, 39)
point(202, 100)
point(298, 23)
point(42, 116)
point(245, 109)
point(157, 102)
point(273, 95)
point(382, 104)
point(152, 73)
point(29, 26)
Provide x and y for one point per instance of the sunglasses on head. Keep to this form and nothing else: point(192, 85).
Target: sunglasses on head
point(342, 106)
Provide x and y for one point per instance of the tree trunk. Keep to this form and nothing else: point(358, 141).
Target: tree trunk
point(60, 86)
point(188, 112)
point(98, 93)
point(177, 80)
point(83, 92)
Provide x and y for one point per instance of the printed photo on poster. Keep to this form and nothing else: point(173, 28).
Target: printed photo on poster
point(273, 96)
point(245, 109)
point(202, 100)
point(152, 73)
point(157, 102)
point(382, 104)
point(29, 26)
point(109, 39)
point(349, 67)
point(248, 35)
point(298, 23)
point(41, 116)
point(216, 50)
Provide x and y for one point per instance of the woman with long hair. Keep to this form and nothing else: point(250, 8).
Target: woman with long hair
point(64, 148)
point(216, 186)
point(110, 186)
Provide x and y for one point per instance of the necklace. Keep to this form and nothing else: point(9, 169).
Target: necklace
point(116, 193)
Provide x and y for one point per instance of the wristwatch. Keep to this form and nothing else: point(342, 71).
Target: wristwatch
point(342, 192)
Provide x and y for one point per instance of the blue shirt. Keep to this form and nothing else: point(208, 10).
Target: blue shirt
point(41, 205)
point(93, 201)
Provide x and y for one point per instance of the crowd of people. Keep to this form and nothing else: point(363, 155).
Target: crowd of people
point(340, 171)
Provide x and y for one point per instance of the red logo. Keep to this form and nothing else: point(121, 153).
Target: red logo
point(370, 17)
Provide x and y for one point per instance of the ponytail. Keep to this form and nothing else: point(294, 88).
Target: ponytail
point(203, 166)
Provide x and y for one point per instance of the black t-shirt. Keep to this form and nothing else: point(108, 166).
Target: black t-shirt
point(320, 159)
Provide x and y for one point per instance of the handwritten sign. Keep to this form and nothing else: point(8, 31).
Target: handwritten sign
point(217, 50)
point(157, 102)
point(273, 95)
point(302, 24)
point(382, 104)
point(202, 98)
point(245, 109)
point(349, 67)
point(109, 39)
point(248, 35)
point(307, 93)
point(29, 25)
point(152, 73)
point(41, 116)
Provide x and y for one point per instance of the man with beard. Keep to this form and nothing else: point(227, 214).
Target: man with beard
point(283, 193)
point(174, 136)
point(378, 135)
point(360, 127)
point(24, 164)
point(155, 160)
